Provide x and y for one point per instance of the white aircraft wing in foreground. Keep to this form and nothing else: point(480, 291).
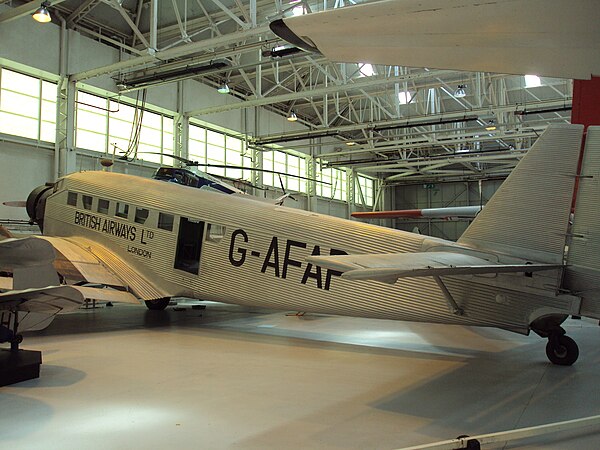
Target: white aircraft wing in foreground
point(555, 38)
point(34, 295)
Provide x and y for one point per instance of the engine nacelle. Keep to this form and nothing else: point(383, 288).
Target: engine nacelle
point(36, 204)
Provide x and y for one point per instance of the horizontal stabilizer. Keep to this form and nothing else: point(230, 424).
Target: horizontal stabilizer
point(389, 267)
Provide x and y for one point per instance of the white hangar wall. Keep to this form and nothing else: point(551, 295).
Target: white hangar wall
point(440, 195)
point(35, 48)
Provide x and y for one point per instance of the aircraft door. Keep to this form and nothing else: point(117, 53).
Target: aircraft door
point(189, 245)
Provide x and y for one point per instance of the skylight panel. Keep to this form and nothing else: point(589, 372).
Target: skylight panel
point(532, 81)
point(366, 70)
point(404, 97)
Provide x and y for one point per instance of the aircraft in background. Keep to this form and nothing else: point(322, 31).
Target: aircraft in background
point(147, 241)
point(453, 212)
point(561, 42)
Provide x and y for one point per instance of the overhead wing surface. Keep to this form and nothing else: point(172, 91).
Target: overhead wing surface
point(556, 38)
point(389, 267)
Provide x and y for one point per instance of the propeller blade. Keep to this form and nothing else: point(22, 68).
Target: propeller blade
point(16, 204)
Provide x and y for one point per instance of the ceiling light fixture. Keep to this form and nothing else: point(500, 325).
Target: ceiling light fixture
point(42, 14)
point(223, 89)
point(460, 91)
point(292, 117)
point(490, 126)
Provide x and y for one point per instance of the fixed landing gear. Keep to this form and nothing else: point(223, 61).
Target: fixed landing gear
point(562, 350)
point(158, 304)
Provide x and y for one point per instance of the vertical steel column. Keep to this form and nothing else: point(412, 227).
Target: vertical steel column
point(153, 27)
point(64, 157)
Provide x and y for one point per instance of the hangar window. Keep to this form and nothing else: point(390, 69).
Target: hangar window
point(103, 206)
point(72, 198)
point(215, 233)
point(333, 184)
point(87, 201)
point(363, 190)
point(212, 147)
point(27, 106)
point(286, 163)
point(122, 210)
point(141, 214)
point(165, 221)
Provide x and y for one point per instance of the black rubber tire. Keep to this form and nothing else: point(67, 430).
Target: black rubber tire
point(159, 304)
point(562, 351)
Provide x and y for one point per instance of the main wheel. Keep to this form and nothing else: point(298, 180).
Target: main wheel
point(158, 304)
point(562, 350)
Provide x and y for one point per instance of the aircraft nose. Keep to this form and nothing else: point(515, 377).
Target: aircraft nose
point(36, 204)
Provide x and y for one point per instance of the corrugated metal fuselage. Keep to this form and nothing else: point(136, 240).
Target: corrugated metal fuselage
point(253, 253)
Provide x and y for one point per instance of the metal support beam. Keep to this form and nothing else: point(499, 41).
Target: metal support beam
point(318, 92)
point(176, 52)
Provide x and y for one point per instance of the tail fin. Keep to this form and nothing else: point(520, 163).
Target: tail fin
point(583, 272)
point(528, 216)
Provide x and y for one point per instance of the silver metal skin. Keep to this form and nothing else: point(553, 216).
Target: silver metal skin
point(254, 253)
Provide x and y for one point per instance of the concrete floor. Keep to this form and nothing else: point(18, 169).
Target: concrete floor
point(231, 377)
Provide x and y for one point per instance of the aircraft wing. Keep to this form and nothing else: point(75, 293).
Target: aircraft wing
point(388, 267)
point(555, 38)
point(36, 260)
point(50, 300)
point(441, 213)
point(85, 261)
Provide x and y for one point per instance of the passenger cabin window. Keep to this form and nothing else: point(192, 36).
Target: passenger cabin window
point(122, 210)
point(141, 214)
point(214, 232)
point(103, 206)
point(72, 198)
point(165, 221)
point(87, 201)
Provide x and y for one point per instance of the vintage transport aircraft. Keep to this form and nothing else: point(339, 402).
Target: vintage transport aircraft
point(147, 240)
point(521, 265)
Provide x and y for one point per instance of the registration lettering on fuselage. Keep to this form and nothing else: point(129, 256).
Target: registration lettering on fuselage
point(280, 256)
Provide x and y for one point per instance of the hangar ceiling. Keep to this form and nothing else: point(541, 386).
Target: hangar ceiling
point(403, 124)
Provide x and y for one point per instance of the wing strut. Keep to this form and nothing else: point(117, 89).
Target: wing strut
point(452, 305)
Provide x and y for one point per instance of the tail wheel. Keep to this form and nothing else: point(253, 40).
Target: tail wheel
point(562, 350)
point(158, 304)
